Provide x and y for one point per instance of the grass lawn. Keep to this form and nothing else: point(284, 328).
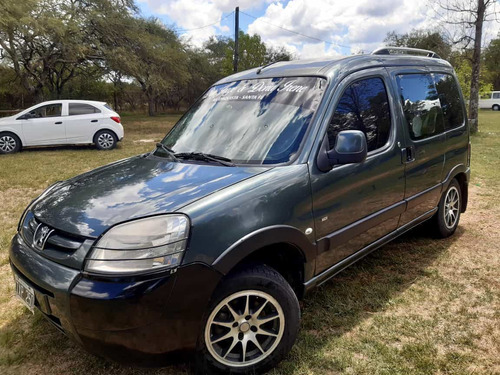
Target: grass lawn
point(416, 306)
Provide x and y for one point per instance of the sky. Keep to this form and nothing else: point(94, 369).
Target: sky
point(328, 27)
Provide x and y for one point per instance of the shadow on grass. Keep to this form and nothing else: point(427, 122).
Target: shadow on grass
point(328, 313)
point(59, 148)
point(367, 287)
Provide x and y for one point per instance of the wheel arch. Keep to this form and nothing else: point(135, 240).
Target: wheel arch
point(104, 129)
point(461, 173)
point(464, 189)
point(284, 248)
point(17, 135)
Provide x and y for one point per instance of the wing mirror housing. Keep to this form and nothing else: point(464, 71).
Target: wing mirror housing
point(350, 147)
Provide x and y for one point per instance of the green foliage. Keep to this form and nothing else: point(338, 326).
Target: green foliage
point(47, 43)
point(491, 59)
point(463, 68)
point(153, 55)
point(253, 52)
point(102, 49)
point(425, 39)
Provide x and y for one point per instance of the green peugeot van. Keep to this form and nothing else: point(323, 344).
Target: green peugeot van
point(274, 181)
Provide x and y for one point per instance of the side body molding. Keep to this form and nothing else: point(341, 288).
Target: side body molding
point(266, 237)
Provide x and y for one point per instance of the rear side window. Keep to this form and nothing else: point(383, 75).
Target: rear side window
point(50, 110)
point(421, 105)
point(449, 97)
point(363, 106)
point(76, 109)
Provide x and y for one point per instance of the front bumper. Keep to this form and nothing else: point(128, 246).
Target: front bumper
point(131, 320)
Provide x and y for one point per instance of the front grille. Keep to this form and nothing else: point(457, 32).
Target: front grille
point(56, 240)
point(61, 247)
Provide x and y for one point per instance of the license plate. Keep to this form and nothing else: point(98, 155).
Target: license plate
point(25, 293)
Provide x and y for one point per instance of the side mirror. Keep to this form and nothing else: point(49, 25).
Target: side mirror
point(350, 147)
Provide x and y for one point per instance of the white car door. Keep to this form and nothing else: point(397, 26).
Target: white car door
point(82, 122)
point(44, 125)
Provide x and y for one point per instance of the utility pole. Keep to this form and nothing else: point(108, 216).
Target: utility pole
point(236, 32)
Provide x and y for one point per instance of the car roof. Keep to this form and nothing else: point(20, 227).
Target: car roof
point(94, 102)
point(330, 68)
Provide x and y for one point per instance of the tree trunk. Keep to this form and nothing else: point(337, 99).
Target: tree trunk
point(476, 66)
point(115, 99)
point(151, 105)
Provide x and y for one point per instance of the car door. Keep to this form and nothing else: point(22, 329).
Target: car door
point(456, 146)
point(356, 204)
point(82, 122)
point(423, 148)
point(44, 125)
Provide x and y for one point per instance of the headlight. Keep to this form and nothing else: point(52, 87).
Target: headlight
point(141, 245)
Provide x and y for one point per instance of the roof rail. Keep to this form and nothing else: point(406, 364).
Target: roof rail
point(405, 50)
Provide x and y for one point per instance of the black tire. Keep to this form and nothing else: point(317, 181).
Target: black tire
point(496, 107)
point(445, 222)
point(260, 282)
point(9, 143)
point(105, 140)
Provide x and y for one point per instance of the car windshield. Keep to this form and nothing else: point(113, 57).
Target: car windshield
point(258, 121)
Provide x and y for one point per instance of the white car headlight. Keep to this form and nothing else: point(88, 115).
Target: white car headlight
point(140, 246)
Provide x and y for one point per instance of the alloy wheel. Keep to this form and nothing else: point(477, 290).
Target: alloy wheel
point(7, 143)
point(244, 328)
point(451, 207)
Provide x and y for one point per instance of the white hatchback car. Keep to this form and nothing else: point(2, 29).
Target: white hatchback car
point(61, 122)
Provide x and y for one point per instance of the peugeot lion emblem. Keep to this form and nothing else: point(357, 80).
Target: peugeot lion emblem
point(41, 235)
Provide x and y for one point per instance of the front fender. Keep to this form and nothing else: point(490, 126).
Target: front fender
point(14, 130)
point(266, 237)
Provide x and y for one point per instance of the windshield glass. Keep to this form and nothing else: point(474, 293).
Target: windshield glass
point(259, 121)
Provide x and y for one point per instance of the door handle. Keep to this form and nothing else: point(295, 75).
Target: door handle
point(407, 154)
point(94, 120)
point(58, 123)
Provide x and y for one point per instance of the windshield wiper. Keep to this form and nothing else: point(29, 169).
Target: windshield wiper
point(205, 157)
point(169, 151)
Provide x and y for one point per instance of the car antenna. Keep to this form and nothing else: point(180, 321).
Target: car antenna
point(265, 66)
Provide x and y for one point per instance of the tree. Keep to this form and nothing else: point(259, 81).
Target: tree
point(470, 16)
point(253, 52)
point(275, 54)
point(425, 39)
point(102, 49)
point(151, 54)
point(463, 68)
point(491, 62)
point(47, 43)
point(220, 51)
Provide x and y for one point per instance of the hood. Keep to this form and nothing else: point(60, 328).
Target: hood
point(7, 119)
point(137, 187)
